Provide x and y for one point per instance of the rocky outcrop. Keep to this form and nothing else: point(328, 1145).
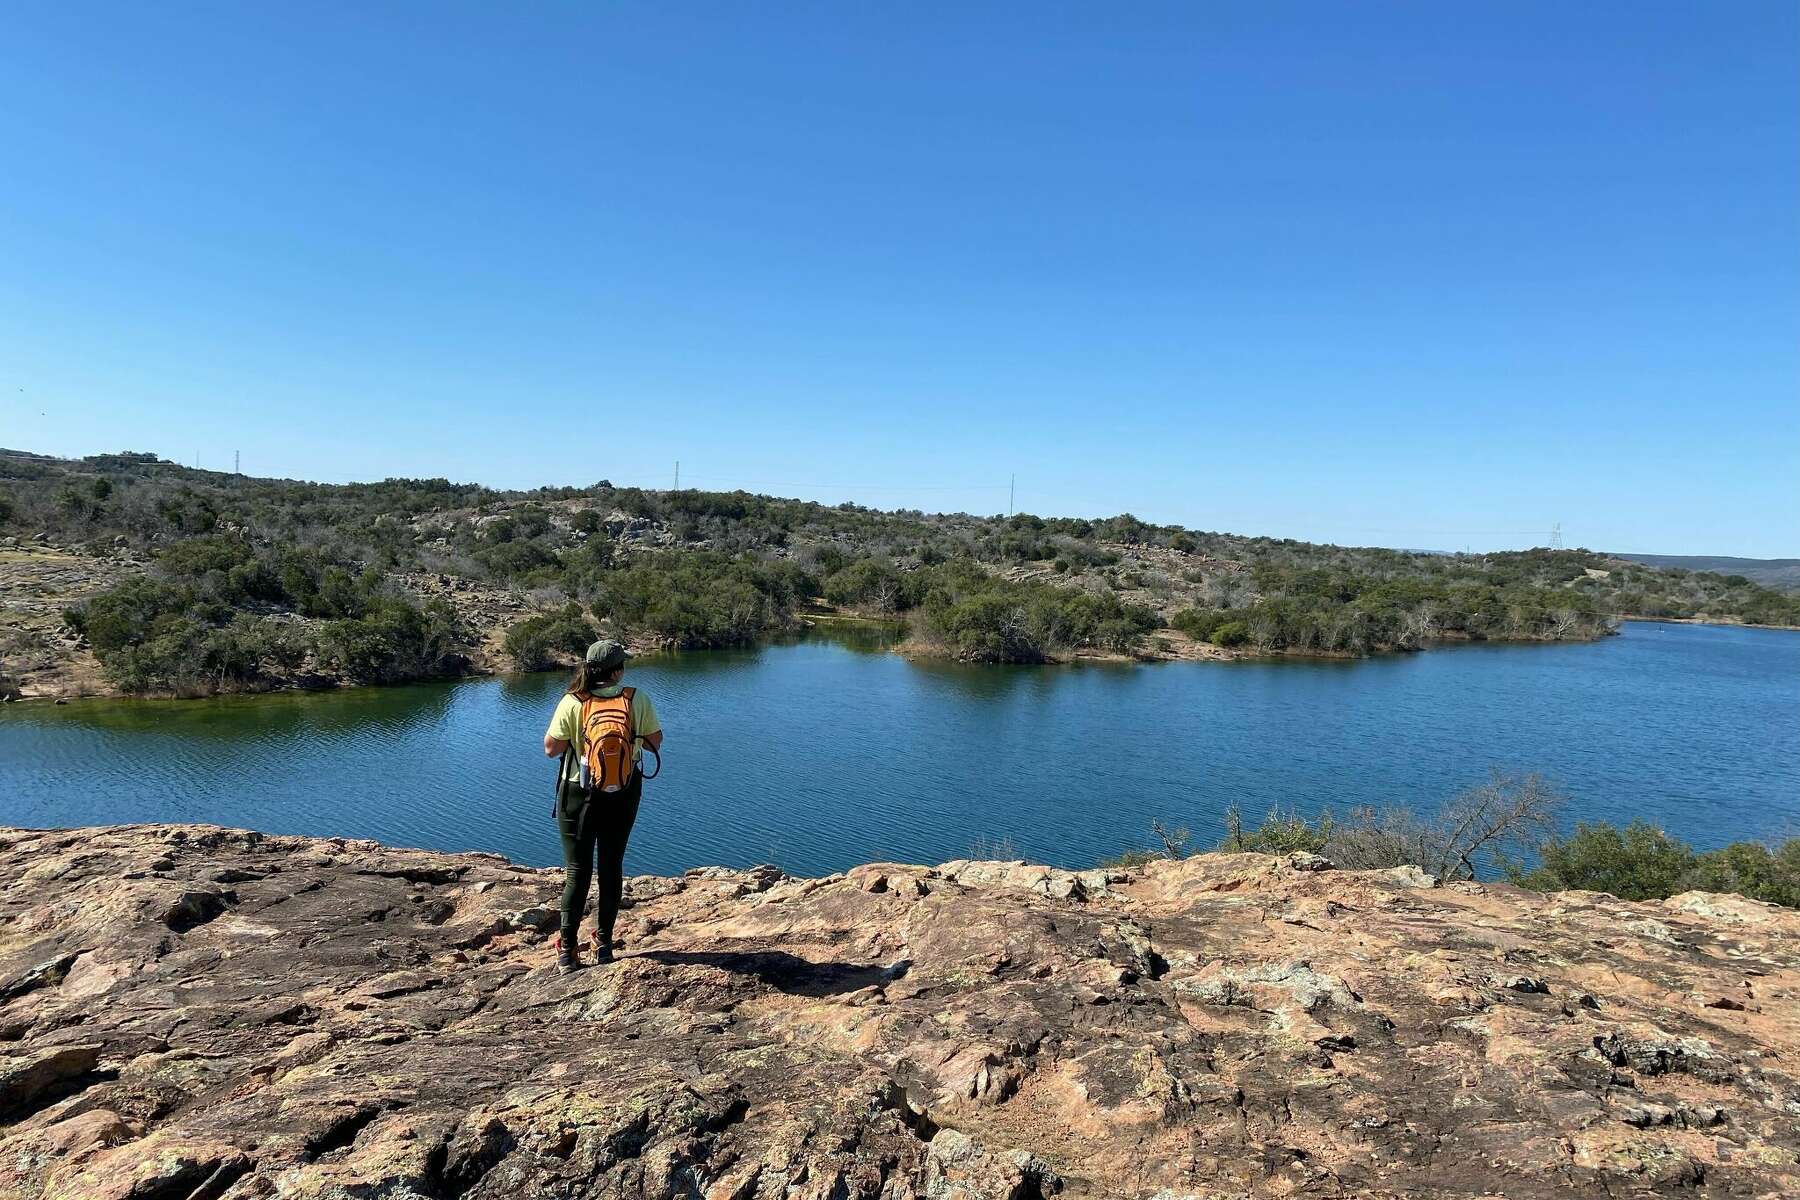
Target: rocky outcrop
point(39, 654)
point(190, 1013)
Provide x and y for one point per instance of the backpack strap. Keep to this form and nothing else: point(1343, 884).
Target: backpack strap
point(562, 781)
point(577, 746)
point(581, 703)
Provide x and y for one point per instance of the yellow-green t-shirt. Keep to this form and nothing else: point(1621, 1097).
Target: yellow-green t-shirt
point(565, 723)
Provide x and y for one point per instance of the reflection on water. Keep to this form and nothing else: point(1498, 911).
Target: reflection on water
point(864, 637)
point(830, 751)
point(520, 689)
point(314, 714)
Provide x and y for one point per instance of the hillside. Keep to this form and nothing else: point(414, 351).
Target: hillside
point(195, 1012)
point(126, 572)
point(1782, 574)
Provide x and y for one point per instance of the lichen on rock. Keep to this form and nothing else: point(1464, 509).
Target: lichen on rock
point(197, 1012)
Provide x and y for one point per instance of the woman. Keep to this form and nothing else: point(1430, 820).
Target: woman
point(606, 725)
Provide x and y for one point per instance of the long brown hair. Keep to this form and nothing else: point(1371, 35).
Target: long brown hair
point(589, 678)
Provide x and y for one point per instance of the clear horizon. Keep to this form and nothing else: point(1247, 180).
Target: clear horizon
point(1413, 277)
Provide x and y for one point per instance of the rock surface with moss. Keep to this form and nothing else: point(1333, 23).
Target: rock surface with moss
point(198, 1012)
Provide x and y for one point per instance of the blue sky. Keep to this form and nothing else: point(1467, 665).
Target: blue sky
point(1415, 274)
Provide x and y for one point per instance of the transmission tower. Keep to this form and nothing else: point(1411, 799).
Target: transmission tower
point(1556, 542)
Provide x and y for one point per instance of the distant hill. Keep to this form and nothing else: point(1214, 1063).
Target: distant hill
point(1780, 573)
point(160, 578)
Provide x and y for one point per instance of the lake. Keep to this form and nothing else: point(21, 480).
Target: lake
point(831, 751)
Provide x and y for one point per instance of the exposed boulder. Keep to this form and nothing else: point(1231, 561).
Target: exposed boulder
point(26, 1078)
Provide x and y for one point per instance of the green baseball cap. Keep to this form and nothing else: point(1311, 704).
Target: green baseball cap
point(607, 654)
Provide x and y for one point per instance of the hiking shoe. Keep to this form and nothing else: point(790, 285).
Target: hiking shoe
point(567, 961)
point(603, 955)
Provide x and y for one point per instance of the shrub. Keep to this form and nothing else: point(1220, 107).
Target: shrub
point(395, 641)
point(1469, 829)
point(123, 615)
point(1480, 824)
point(1641, 862)
point(515, 559)
point(1279, 833)
point(868, 583)
point(983, 618)
point(185, 629)
point(1173, 844)
point(319, 590)
point(1230, 633)
point(198, 557)
point(1128, 859)
point(700, 599)
point(1199, 623)
point(534, 643)
point(988, 626)
point(164, 656)
point(181, 654)
point(1120, 635)
point(1751, 870)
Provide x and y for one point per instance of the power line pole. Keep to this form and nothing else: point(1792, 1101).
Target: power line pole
point(237, 462)
point(678, 474)
point(1011, 483)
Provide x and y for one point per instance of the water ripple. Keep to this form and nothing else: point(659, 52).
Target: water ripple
point(817, 757)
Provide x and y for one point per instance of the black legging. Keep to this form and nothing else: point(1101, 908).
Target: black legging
point(604, 826)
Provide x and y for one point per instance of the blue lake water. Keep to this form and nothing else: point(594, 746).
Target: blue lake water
point(829, 752)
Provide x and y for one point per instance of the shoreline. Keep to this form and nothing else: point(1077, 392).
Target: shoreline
point(1722, 622)
point(1183, 650)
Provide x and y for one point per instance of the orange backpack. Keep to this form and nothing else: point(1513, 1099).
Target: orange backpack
point(607, 741)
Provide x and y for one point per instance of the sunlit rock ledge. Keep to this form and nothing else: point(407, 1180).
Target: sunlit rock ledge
point(193, 1013)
